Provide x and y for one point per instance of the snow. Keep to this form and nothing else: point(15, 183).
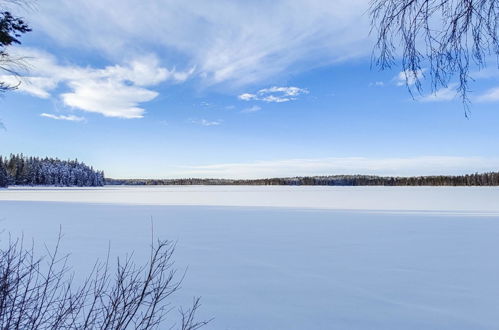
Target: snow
point(466, 199)
point(293, 257)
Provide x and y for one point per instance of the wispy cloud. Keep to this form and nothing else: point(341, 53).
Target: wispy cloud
point(113, 91)
point(485, 73)
point(492, 95)
point(427, 165)
point(409, 77)
point(36, 86)
point(62, 117)
point(247, 97)
point(443, 94)
point(376, 84)
point(254, 108)
point(206, 122)
point(274, 94)
point(239, 42)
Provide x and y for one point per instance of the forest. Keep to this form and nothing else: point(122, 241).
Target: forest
point(31, 171)
point(477, 179)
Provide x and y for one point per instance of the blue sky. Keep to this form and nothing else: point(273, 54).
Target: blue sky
point(232, 89)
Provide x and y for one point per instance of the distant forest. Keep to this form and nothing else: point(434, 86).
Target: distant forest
point(483, 179)
point(32, 171)
point(21, 170)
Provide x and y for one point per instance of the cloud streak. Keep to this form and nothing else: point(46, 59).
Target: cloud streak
point(206, 122)
point(254, 108)
point(443, 94)
point(492, 95)
point(62, 117)
point(274, 94)
point(240, 42)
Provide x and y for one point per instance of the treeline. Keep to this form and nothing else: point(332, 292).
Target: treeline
point(477, 179)
point(21, 170)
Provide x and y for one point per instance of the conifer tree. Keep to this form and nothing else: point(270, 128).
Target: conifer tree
point(21, 170)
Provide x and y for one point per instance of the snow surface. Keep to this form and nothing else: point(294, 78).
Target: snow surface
point(468, 199)
point(293, 257)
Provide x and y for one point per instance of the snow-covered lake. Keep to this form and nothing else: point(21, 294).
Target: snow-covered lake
point(293, 257)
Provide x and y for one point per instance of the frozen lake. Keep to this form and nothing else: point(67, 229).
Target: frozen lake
point(294, 257)
point(453, 199)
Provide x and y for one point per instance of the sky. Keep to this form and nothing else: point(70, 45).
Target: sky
point(232, 89)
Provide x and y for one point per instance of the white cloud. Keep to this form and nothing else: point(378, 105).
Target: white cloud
point(206, 104)
point(376, 84)
point(443, 94)
point(276, 99)
point(254, 108)
point(113, 91)
point(205, 122)
point(486, 72)
point(239, 42)
point(492, 95)
point(289, 91)
point(409, 77)
point(36, 86)
point(425, 165)
point(141, 72)
point(247, 97)
point(274, 94)
point(62, 117)
point(181, 76)
point(109, 98)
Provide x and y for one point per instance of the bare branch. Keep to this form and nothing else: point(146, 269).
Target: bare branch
point(39, 293)
point(448, 37)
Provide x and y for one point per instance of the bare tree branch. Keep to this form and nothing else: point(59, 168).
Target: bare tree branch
point(39, 293)
point(446, 37)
